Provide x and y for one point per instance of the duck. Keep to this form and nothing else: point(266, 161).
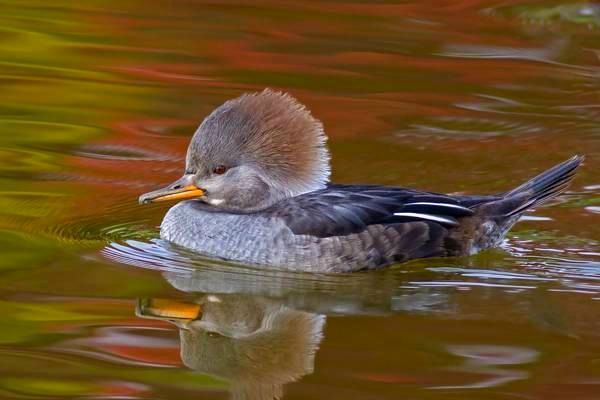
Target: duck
point(256, 190)
point(257, 345)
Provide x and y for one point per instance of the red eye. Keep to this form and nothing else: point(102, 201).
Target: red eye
point(219, 169)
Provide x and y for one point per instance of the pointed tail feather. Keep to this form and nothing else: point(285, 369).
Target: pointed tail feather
point(543, 187)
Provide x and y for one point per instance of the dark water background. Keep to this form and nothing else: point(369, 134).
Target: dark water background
point(99, 99)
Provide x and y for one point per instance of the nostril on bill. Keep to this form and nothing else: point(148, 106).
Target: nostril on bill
point(177, 187)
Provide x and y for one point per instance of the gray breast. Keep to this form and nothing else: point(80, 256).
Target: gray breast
point(265, 240)
point(248, 238)
point(231, 236)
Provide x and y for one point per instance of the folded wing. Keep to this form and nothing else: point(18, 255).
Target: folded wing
point(342, 210)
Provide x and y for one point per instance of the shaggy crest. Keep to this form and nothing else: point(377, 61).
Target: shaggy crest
point(270, 130)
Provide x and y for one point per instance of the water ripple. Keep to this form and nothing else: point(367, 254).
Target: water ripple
point(119, 152)
point(472, 126)
point(524, 269)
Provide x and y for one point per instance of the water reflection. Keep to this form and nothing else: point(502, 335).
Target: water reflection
point(255, 343)
point(488, 360)
point(577, 13)
point(239, 322)
point(260, 330)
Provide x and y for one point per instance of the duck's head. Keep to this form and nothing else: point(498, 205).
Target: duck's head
point(251, 152)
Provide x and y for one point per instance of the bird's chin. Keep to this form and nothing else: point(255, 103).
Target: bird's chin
point(214, 202)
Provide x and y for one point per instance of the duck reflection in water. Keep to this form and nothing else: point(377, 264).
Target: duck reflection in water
point(262, 331)
point(256, 344)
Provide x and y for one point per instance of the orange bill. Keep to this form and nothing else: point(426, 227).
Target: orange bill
point(165, 309)
point(182, 189)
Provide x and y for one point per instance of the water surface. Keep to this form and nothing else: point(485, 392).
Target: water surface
point(99, 100)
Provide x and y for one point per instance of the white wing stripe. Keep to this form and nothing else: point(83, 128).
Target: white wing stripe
point(428, 217)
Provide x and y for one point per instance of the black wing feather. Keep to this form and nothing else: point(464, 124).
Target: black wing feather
point(341, 210)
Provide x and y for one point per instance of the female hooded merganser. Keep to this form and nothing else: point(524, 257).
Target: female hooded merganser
point(257, 171)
